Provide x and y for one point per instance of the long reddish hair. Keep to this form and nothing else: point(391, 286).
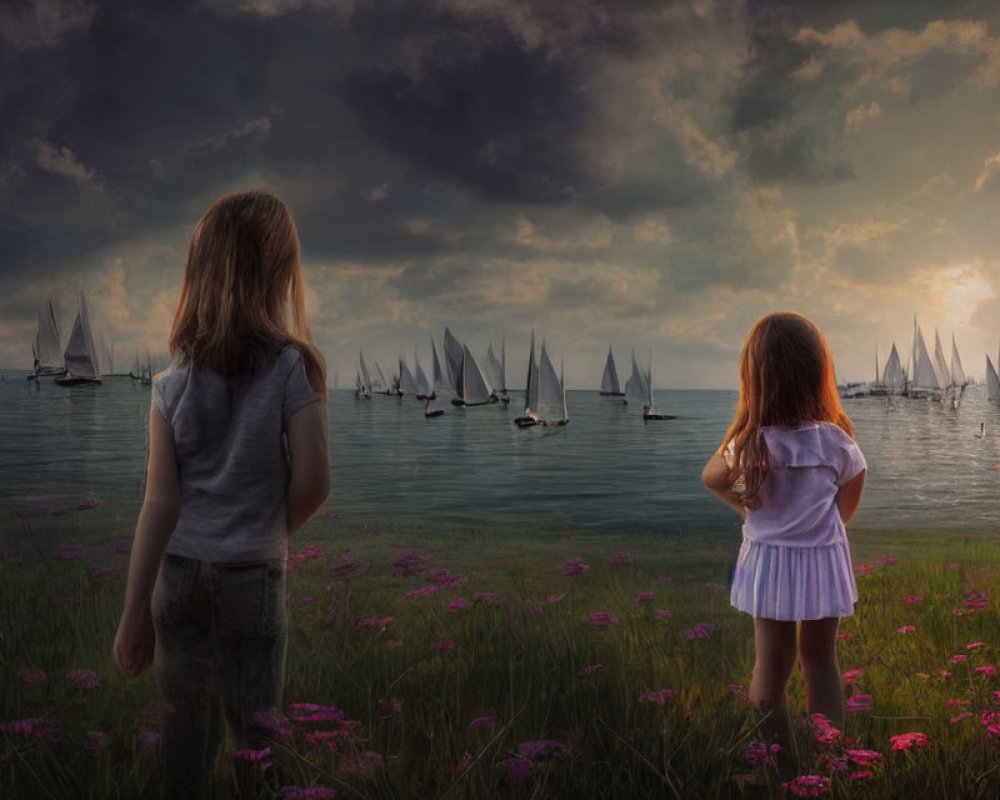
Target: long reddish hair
point(243, 294)
point(787, 379)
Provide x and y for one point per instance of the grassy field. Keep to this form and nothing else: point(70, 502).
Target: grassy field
point(462, 662)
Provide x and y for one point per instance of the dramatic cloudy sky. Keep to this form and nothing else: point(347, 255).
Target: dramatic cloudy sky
point(648, 174)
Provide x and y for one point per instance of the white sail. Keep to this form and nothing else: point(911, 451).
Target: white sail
point(940, 364)
point(636, 388)
point(609, 380)
point(531, 382)
point(925, 378)
point(992, 382)
point(407, 383)
point(365, 384)
point(48, 345)
point(440, 399)
point(550, 390)
point(893, 377)
point(472, 388)
point(80, 356)
point(423, 385)
point(452, 357)
point(493, 371)
point(958, 377)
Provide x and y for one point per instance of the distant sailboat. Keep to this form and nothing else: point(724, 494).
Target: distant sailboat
point(472, 388)
point(649, 411)
point(551, 403)
point(495, 371)
point(424, 389)
point(440, 398)
point(636, 387)
point(958, 379)
point(928, 379)
point(363, 388)
point(530, 417)
point(80, 355)
point(992, 382)
point(46, 346)
point(407, 383)
point(610, 386)
point(893, 376)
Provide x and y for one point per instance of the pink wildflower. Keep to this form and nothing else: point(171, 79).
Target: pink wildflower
point(844, 636)
point(958, 703)
point(825, 733)
point(888, 561)
point(574, 567)
point(759, 752)
point(912, 599)
point(423, 591)
point(700, 631)
point(554, 598)
point(807, 785)
point(904, 741)
point(31, 675)
point(975, 645)
point(602, 619)
point(863, 758)
point(859, 702)
point(861, 774)
point(960, 716)
point(409, 560)
point(457, 604)
point(657, 696)
point(944, 673)
point(958, 659)
point(387, 709)
point(372, 623)
point(84, 678)
point(645, 597)
point(852, 675)
point(987, 669)
point(991, 721)
point(906, 629)
point(662, 613)
point(865, 569)
point(489, 598)
point(737, 688)
point(262, 757)
point(585, 672)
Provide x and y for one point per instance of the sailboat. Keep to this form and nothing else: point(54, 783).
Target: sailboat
point(893, 376)
point(495, 371)
point(471, 388)
point(958, 379)
point(992, 381)
point(422, 384)
point(636, 389)
point(364, 382)
point(407, 383)
point(442, 393)
point(610, 387)
point(530, 417)
point(80, 356)
point(46, 347)
point(928, 380)
point(649, 411)
point(551, 403)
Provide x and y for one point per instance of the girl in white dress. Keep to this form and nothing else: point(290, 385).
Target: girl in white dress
point(790, 467)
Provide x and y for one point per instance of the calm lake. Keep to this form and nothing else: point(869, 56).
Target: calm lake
point(606, 470)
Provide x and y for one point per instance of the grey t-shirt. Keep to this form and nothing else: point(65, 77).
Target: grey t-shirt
point(231, 456)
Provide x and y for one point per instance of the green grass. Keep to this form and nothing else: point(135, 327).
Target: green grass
point(515, 656)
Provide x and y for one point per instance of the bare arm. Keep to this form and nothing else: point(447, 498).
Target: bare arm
point(309, 453)
point(715, 476)
point(134, 641)
point(849, 496)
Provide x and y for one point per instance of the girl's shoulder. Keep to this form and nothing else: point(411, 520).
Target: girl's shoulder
point(815, 444)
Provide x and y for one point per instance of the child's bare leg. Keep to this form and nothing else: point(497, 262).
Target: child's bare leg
point(821, 670)
point(774, 642)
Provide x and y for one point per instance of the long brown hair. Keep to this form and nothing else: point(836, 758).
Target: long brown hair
point(787, 379)
point(243, 294)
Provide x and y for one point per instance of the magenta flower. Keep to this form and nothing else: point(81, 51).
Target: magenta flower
point(863, 758)
point(487, 597)
point(618, 559)
point(662, 613)
point(974, 599)
point(441, 577)
point(585, 672)
point(807, 785)
point(852, 675)
point(904, 741)
point(31, 675)
point(544, 750)
point(991, 721)
point(987, 669)
point(645, 597)
point(888, 560)
point(602, 619)
point(861, 774)
point(457, 604)
point(574, 567)
point(423, 591)
point(975, 645)
point(409, 560)
point(913, 599)
point(262, 757)
point(375, 623)
point(825, 733)
point(859, 702)
point(958, 703)
point(759, 752)
point(517, 770)
point(737, 688)
point(84, 678)
point(906, 629)
point(314, 712)
point(865, 569)
point(959, 717)
point(657, 696)
point(944, 673)
point(845, 636)
point(554, 598)
point(701, 631)
point(387, 709)
point(958, 659)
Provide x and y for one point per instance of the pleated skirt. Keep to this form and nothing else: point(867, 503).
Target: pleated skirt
point(793, 583)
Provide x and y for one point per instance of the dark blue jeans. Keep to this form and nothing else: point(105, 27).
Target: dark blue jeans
point(221, 630)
